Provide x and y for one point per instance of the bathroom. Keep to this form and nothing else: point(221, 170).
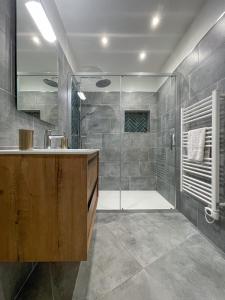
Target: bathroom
point(108, 96)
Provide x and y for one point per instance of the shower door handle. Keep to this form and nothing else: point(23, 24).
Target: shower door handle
point(172, 140)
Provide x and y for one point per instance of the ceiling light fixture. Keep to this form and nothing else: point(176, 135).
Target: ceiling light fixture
point(155, 21)
point(142, 55)
point(38, 14)
point(81, 95)
point(36, 40)
point(104, 41)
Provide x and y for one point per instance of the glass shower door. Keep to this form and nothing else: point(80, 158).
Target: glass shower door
point(147, 156)
point(100, 129)
point(131, 120)
point(74, 105)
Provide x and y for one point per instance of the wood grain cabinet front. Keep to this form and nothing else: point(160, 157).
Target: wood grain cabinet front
point(47, 206)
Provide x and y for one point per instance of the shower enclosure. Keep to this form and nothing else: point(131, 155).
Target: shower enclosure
point(131, 119)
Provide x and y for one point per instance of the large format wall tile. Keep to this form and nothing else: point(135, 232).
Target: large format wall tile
point(211, 70)
point(137, 99)
point(189, 63)
point(109, 169)
point(212, 40)
point(198, 75)
point(142, 183)
point(202, 71)
point(129, 154)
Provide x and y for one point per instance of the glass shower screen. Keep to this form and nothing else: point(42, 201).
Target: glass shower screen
point(131, 120)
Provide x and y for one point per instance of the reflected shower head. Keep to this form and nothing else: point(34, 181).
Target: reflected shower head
point(50, 82)
point(103, 83)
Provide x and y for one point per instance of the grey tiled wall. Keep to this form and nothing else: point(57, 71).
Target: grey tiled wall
point(198, 75)
point(102, 126)
point(139, 149)
point(44, 102)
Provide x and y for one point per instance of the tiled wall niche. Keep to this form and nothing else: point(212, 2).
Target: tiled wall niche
point(137, 121)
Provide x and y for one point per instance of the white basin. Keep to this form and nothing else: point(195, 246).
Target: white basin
point(50, 151)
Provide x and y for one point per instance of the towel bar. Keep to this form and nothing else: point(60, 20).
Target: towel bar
point(201, 180)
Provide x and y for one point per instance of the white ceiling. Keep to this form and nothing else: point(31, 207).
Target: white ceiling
point(127, 24)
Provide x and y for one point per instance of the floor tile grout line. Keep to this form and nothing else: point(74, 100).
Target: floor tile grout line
point(191, 236)
point(205, 236)
point(171, 250)
point(51, 281)
point(191, 224)
point(25, 281)
point(127, 250)
point(121, 284)
point(124, 247)
point(220, 251)
point(135, 273)
point(163, 255)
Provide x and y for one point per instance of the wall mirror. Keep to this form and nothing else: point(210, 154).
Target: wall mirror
point(37, 63)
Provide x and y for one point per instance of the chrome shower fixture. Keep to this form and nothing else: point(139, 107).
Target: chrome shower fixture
point(103, 83)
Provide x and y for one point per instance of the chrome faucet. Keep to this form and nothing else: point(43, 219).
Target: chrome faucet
point(49, 136)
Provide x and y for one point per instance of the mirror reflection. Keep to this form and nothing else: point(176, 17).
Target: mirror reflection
point(37, 64)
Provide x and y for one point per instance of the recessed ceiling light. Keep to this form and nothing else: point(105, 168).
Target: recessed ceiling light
point(104, 41)
point(81, 96)
point(36, 40)
point(155, 21)
point(38, 14)
point(142, 55)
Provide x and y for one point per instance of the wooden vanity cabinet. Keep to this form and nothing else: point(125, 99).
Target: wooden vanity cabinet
point(47, 206)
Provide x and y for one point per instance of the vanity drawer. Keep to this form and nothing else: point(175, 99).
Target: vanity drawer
point(92, 175)
point(49, 214)
point(92, 204)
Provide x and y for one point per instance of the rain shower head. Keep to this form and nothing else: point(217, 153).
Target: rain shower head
point(103, 83)
point(50, 82)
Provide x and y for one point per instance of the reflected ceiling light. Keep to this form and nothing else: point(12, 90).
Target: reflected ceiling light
point(81, 95)
point(36, 40)
point(155, 21)
point(104, 41)
point(38, 14)
point(142, 55)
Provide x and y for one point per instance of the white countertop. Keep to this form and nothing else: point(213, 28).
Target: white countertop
point(50, 151)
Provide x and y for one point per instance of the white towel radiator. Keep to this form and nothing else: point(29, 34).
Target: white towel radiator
point(201, 180)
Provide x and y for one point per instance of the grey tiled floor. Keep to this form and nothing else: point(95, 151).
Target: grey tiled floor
point(150, 256)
